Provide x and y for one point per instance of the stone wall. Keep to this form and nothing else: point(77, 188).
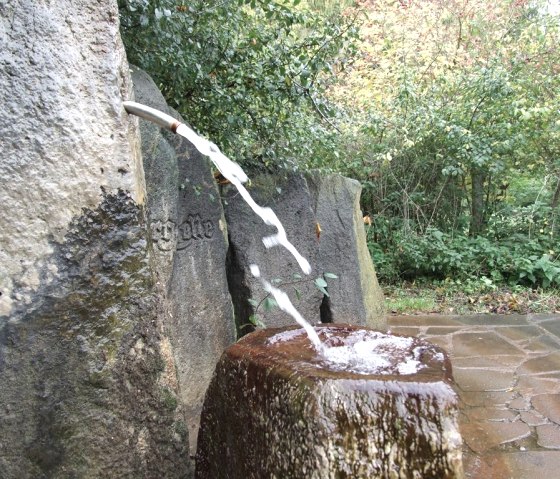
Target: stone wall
point(88, 385)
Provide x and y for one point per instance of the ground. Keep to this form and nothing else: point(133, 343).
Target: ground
point(507, 376)
point(456, 298)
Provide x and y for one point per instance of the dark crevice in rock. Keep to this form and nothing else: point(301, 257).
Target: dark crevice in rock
point(325, 310)
point(239, 291)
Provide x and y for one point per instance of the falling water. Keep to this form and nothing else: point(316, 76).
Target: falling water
point(233, 172)
point(351, 353)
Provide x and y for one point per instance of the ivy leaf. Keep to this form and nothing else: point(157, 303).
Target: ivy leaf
point(269, 304)
point(323, 290)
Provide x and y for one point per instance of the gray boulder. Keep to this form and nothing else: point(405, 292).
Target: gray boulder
point(88, 384)
point(323, 220)
point(356, 296)
point(290, 200)
point(189, 237)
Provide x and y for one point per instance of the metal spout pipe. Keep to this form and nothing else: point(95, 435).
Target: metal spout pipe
point(153, 115)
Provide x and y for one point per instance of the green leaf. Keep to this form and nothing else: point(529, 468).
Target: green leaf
point(330, 275)
point(320, 283)
point(269, 304)
point(256, 321)
point(298, 294)
point(252, 302)
point(323, 290)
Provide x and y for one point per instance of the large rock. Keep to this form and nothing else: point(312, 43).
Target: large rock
point(343, 248)
point(290, 200)
point(275, 408)
point(323, 220)
point(190, 246)
point(88, 384)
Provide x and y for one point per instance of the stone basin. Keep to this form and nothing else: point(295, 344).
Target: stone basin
point(277, 409)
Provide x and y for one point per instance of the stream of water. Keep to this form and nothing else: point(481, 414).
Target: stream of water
point(236, 176)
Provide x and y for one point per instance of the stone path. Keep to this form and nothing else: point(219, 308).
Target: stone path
point(507, 373)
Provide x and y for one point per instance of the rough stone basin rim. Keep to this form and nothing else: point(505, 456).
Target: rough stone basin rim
point(277, 408)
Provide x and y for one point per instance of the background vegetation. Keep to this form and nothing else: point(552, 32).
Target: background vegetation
point(446, 111)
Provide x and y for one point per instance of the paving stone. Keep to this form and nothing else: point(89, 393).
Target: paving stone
point(531, 464)
point(532, 418)
point(442, 330)
point(424, 321)
point(477, 398)
point(548, 363)
point(493, 466)
point(482, 380)
point(441, 341)
point(483, 436)
point(548, 405)
point(519, 333)
point(508, 362)
point(405, 330)
point(490, 414)
point(548, 435)
point(482, 344)
point(542, 344)
point(552, 326)
point(519, 404)
point(495, 320)
point(531, 385)
point(539, 317)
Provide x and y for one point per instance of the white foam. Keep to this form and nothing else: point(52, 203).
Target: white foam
point(364, 351)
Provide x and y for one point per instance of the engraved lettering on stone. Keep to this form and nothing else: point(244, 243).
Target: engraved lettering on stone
point(194, 228)
point(164, 234)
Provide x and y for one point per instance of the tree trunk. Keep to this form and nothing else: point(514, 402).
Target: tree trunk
point(477, 201)
point(556, 197)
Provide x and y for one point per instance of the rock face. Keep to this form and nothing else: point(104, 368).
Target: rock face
point(88, 384)
point(276, 409)
point(63, 133)
point(190, 245)
point(323, 220)
point(343, 248)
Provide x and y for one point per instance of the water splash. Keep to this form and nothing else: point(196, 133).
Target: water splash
point(235, 174)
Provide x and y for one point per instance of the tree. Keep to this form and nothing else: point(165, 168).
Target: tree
point(247, 73)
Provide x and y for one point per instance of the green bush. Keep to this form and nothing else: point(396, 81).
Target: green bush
point(436, 255)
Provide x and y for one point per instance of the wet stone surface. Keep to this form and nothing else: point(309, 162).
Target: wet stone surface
point(507, 375)
point(304, 418)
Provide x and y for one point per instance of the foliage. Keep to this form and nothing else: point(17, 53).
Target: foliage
point(515, 259)
point(247, 73)
point(446, 112)
point(469, 297)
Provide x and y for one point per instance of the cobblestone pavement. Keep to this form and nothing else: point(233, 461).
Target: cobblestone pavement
point(507, 375)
